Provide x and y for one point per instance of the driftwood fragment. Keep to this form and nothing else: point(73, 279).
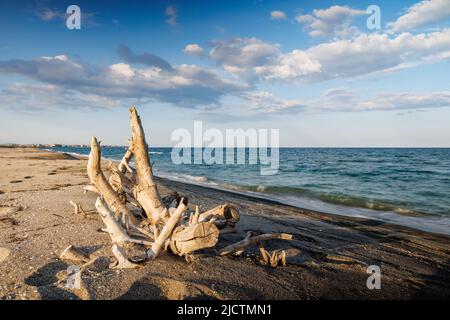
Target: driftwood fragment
point(274, 258)
point(224, 215)
point(114, 228)
point(102, 185)
point(79, 209)
point(124, 165)
point(146, 191)
point(122, 261)
point(73, 254)
point(166, 232)
point(197, 236)
point(243, 244)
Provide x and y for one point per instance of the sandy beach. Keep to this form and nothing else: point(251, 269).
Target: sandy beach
point(329, 254)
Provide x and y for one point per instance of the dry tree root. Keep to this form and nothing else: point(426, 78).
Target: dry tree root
point(133, 211)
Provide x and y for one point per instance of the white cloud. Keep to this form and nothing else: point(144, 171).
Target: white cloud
point(333, 21)
point(266, 102)
point(341, 100)
point(289, 66)
point(253, 59)
point(183, 85)
point(194, 49)
point(243, 52)
point(368, 53)
point(172, 14)
point(37, 97)
point(421, 14)
point(278, 15)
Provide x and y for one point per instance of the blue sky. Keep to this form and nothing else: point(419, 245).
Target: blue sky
point(309, 68)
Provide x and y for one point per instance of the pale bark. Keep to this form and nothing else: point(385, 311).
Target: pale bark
point(167, 230)
point(100, 183)
point(72, 254)
point(223, 215)
point(146, 192)
point(124, 163)
point(242, 245)
point(115, 230)
point(197, 236)
point(122, 261)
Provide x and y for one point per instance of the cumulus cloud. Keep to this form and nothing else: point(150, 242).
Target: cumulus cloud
point(185, 85)
point(253, 60)
point(278, 15)
point(334, 21)
point(368, 53)
point(194, 50)
point(421, 14)
point(148, 59)
point(172, 15)
point(341, 100)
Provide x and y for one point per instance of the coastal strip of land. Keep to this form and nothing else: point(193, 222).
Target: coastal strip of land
point(327, 259)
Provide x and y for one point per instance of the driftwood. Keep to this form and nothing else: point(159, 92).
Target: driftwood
point(72, 254)
point(243, 244)
point(122, 261)
point(79, 209)
point(146, 191)
point(117, 233)
point(194, 237)
point(274, 258)
point(102, 185)
point(134, 213)
point(222, 216)
point(170, 224)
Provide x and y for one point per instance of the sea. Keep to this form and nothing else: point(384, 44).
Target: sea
point(405, 186)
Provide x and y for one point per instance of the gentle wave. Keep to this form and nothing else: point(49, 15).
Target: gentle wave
point(405, 186)
point(330, 198)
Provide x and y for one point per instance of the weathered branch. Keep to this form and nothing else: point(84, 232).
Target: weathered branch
point(124, 163)
point(241, 245)
point(146, 192)
point(115, 230)
point(167, 230)
point(100, 183)
point(223, 215)
point(122, 261)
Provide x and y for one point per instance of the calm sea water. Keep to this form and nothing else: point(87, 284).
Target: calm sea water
point(404, 186)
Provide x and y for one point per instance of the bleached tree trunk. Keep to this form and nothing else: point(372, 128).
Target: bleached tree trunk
point(146, 191)
point(100, 183)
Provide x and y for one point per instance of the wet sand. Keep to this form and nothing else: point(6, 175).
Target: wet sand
point(329, 254)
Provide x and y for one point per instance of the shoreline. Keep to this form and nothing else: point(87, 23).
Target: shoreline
point(425, 222)
point(330, 253)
